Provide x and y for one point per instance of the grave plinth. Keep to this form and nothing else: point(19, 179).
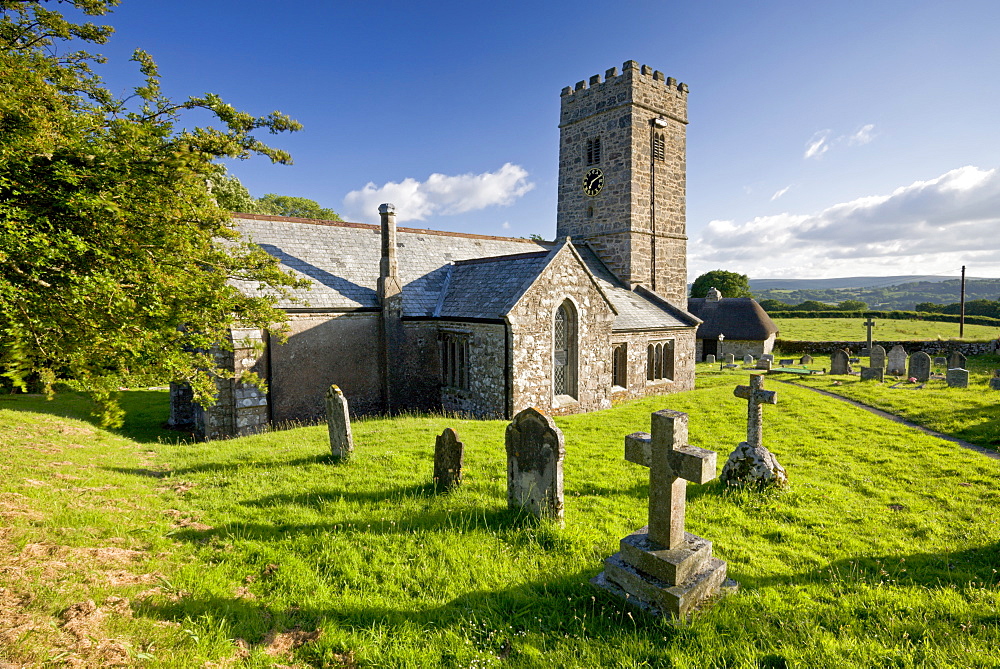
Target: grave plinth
point(660, 567)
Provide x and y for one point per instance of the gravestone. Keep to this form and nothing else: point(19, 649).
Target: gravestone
point(338, 422)
point(710, 358)
point(957, 378)
point(920, 366)
point(956, 360)
point(876, 358)
point(806, 359)
point(764, 364)
point(661, 568)
point(786, 363)
point(940, 361)
point(751, 463)
point(869, 324)
point(896, 360)
point(995, 381)
point(535, 452)
point(872, 374)
point(840, 362)
point(768, 357)
point(729, 359)
point(748, 360)
point(449, 453)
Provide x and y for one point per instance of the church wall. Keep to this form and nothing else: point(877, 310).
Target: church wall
point(322, 350)
point(531, 339)
point(684, 360)
point(740, 347)
point(487, 392)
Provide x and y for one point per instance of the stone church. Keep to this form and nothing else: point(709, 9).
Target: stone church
point(410, 319)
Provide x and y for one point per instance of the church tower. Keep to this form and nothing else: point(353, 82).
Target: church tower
point(622, 175)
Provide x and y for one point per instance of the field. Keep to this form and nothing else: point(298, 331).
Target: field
point(260, 551)
point(853, 329)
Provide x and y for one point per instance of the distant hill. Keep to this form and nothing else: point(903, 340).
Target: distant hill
point(878, 292)
point(846, 282)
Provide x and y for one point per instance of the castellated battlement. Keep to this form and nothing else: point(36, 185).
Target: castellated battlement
point(630, 68)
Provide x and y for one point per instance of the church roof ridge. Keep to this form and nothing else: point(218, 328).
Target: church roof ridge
point(375, 227)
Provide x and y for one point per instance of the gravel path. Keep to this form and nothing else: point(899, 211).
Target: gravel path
point(882, 414)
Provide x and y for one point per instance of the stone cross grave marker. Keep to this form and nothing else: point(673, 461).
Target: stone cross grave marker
point(338, 421)
point(448, 455)
point(535, 452)
point(661, 567)
point(957, 378)
point(876, 357)
point(956, 360)
point(756, 397)
point(869, 324)
point(840, 362)
point(920, 366)
point(897, 360)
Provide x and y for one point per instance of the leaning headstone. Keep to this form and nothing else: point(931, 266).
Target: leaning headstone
point(535, 452)
point(661, 568)
point(748, 360)
point(840, 362)
point(876, 357)
point(957, 378)
point(338, 421)
point(920, 366)
point(806, 359)
point(448, 455)
point(872, 374)
point(751, 463)
point(956, 360)
point(710, 358)
point(896, 360)
point(940, 361)
point(729, 358)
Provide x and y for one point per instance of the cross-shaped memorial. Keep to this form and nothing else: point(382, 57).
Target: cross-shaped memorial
point(869, 324)
point(662, 568)
point(756, 397)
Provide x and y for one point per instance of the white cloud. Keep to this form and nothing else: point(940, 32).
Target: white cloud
point(817, 145)
point(780, 193)
point(440, 194)
point(925, 227)
point(505, 225)
point(862, 136)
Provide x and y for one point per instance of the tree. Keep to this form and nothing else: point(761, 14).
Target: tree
point(730, 284)
point(852, 305)
point(812, 305)
point(774, 305)
point(115, 257)
point(298, 207)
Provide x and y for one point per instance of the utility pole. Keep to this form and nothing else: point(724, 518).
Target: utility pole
point(961, 309)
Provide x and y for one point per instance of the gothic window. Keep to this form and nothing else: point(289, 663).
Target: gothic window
point(564, 350)
point(594, 151)
point(659, 147)
point(455, 360)
point(619, 366)
point(660, 361)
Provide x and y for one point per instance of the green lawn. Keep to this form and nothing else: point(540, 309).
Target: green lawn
point(882, 552)
point(853, 329)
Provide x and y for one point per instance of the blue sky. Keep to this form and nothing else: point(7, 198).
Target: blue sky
point(826, 138)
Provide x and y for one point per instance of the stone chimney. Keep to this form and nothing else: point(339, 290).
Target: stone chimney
point(713, 294)
point(388, 277)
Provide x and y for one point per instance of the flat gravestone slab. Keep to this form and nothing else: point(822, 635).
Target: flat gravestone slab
point(535, 453)
point(957, 378)
point(920, 366)
point(896, 361)
point(338, 421)
point(872, 374)
point(449, 454)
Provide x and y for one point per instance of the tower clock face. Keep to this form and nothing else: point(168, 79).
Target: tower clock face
point(593, 181)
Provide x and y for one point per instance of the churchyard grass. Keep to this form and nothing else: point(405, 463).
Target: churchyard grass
point(840, 329)
point(882, 552)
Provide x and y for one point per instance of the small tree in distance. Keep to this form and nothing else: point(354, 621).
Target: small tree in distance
point(730, 284)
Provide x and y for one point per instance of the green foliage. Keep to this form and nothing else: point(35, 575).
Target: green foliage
point(297, 207)
point(730, 284)
point(852, 305)
point(990, 308)
point(774, 305)
point(115, 255)
point(905, 296)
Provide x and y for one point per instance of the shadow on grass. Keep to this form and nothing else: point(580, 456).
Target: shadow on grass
point(221, 467)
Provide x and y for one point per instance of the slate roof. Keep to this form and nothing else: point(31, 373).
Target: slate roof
point(443, 274)
point(738, 318)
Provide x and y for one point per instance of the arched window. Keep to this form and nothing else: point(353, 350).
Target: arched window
point(660, 361)
point(564, 350)
point(594, 151)
point(619, 366)
point(659, 147)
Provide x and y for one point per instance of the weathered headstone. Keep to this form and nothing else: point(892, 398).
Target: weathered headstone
point(769, 357)
point(872, 374)
point(729, 359)
point(751, 463)
point(338, 421)
point(806, 359)
point(660, 567)
point(896, 360)
point(764, 364)
point(710, 358)
point(840, 362)
point(919, 367)
point(786, 363)
point(995, 381)
point(748, 360)
point(876, 357)
point(535, 452)
point(956, 360)
point(957, 378)
point(940, 361)
point(449, 453)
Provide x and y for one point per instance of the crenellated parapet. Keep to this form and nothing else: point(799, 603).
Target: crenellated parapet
point(636, 84)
